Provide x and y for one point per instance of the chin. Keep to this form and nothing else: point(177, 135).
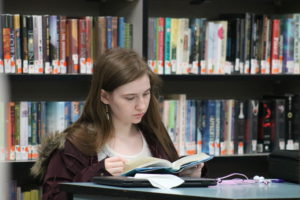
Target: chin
point(136, 121)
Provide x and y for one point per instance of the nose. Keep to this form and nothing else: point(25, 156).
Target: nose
point(141, 103)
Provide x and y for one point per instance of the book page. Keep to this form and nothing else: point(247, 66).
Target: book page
point(197, 158)
point(146, 162)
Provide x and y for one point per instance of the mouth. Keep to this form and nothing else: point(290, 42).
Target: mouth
point(139, 115)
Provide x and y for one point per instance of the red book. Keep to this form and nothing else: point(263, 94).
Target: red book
point(275, 68)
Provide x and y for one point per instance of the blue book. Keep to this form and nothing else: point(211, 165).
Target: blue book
point(159, 165)
point(121, 32)
point(108, 32)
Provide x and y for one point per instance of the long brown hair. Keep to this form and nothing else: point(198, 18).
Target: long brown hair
point(115, 68)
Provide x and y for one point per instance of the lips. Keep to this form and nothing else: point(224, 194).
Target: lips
point(139, 115)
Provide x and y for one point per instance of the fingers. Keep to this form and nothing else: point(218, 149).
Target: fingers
point(114, 165)
point(193, 171)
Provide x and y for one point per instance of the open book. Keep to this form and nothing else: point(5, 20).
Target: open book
point(158, 165)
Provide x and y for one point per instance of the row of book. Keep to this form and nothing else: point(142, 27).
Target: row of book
point(28, 122)
point(54, 44)
point(17, 192)
point(231, 44)
point(227, 127)
point(217, 127)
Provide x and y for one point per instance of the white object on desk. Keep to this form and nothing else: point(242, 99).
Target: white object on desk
point(162, 181)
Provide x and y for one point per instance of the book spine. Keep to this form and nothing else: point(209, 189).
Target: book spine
point(30, 44)
point(218, 128)
point(1, 44)
point(17, 39)
point(288, 48)
point(62, 68)
point(289, 122)
point(114, 32)
point(160, 45)
point(167, 45)
point(275, 69)
point(279, 123)
point(199, 119)
point(12, 44)
point(121, 32)
point(46, 44)
point(89, 44)
point(82, 46)
point(239, 127)
point(174, 38)
point(24, 44)
point(6, 45)
point(73, 64)
point(108, 32)
point(54, 45)
point(297, 44)
point(296, 119)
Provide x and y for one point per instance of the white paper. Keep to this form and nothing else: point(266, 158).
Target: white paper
point(162, 181)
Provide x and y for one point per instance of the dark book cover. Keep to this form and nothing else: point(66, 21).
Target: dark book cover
point(46, 43)
point(30, 44)
point(296, 121)
point(24, 43)
point(264, 139)
point(251, 126)
point(239, 123)
point(279, 125)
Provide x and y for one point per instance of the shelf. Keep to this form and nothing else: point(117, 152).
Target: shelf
point(67, 87)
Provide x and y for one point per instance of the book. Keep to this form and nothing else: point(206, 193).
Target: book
point(159, 165)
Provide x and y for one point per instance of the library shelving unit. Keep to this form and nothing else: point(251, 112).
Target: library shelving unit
point(75, 87)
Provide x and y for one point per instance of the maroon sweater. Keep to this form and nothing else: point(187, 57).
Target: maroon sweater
point(71, 165)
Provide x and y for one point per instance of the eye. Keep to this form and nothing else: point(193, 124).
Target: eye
point(147, 93)
point(129, 98)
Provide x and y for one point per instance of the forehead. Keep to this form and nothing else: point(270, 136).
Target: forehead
point(139, 85)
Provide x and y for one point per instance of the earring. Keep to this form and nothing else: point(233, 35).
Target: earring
point(106, 111)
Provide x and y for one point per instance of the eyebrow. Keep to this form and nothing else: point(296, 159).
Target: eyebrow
point(135, 93)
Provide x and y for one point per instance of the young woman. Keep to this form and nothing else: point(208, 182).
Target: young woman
point(120, 121)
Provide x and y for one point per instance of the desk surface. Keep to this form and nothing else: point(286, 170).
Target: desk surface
point(221, 191)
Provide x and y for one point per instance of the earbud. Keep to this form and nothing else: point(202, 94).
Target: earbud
point(260, 179)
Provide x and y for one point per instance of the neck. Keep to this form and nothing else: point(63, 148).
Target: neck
point(124, 130)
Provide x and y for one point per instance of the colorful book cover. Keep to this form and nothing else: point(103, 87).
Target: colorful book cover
point(30, 44)
point(46, 44)
point(167, 46)
point(6, 44)
point(62, 46)
point(1, 44)
point(288, 45)
point(160, 44)
point(82, 46)
point(114, 32)
point(54, 45)
point(24, 44)
point(89, 44)
point(18, 47)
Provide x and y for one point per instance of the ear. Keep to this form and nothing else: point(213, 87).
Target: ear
point(104, 96)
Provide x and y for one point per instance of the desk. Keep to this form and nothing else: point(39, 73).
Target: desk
point(91, 191)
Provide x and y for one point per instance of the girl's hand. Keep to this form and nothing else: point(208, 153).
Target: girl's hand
point(193, 172)
point(114, 165)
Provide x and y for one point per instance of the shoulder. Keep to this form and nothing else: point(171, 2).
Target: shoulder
point(49, 144)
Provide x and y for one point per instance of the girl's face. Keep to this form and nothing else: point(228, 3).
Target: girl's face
point(128, 103)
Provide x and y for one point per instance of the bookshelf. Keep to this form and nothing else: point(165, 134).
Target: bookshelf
point(75, 87)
